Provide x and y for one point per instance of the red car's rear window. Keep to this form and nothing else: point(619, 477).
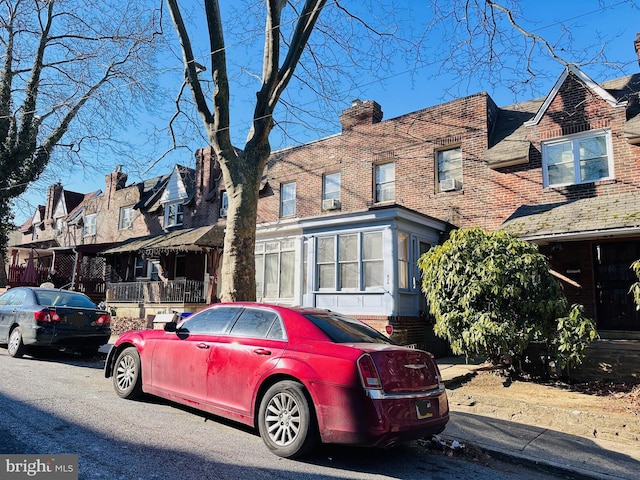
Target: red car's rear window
point(342, 329)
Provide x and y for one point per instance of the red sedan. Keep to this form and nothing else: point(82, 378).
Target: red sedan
point(300, 376)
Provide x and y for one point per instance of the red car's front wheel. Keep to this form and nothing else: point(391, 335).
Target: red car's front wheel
point(127, 379)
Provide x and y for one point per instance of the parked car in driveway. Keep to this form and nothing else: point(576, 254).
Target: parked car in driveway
point(299, 376)
point(33, 319)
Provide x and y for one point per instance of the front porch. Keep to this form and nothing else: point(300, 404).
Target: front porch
point(142, 299)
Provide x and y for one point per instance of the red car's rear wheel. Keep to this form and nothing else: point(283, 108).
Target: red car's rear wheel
point(286, 421)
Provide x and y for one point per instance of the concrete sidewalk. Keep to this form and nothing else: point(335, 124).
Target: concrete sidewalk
point(556, 448)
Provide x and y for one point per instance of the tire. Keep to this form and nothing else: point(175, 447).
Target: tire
point(127, 378)
point(16, 346)
point(286, 422)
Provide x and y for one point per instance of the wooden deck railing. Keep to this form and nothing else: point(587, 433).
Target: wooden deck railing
point(17, 271)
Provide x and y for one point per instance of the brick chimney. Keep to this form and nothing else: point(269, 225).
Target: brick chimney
point(116, 180)
point(361, 113)
point(53, 195)
point(208, 172)
point(636, 44)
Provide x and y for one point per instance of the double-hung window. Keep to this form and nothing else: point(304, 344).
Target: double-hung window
point(450, 169)
point(385, 182)
point(173, 214)
point(582, 158)
point(403, 261)
point(350, 262)
point(275, 269)
point(288, 199)
point(90, 224)
point(126, 218)
point(331, 191)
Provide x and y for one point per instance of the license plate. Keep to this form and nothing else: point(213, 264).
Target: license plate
point(424, 409)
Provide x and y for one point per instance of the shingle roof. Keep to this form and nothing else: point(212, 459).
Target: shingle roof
point(189, 239)
point(602, 215)
point(509, 142)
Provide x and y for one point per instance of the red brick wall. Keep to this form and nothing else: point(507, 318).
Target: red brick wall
point(412, 142)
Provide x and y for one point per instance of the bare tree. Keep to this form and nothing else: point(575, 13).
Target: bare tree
point(70, 71)
point(324, 65)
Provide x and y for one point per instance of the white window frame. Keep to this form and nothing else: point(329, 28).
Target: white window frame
point(283, 281)
point(174, 214)
point(339, 263)
point(125, 219)
point(331, 186)
point(449, 164)
point(224, 204)
point(575, 161)
point(385, 188)
point(59, 226)
point(90, 225)
point(404, 255)
point(288, 199)
point(145, 269)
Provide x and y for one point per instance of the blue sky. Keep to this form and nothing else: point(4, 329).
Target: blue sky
point(577, 29)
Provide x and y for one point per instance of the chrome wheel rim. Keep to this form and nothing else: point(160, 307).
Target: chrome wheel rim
point(126, 372)
point(282, 418)
point(14, 342)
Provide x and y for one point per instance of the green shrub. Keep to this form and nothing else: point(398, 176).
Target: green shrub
point(492, 293)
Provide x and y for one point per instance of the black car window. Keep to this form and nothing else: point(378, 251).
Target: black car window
point(61, 298)
point(342, 329)
point(13, 297)
point(210, 321)
point(256, 323)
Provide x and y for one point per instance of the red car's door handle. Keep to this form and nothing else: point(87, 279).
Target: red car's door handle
point(204, 346)
point(262, 351)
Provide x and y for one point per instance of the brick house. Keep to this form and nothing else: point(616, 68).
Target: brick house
point(351, 213)
point(342, 220)
point(145, 247)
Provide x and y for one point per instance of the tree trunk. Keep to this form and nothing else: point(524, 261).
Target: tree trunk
point(3, 272)
point(242, 183)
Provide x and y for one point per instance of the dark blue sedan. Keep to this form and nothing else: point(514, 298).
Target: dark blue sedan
point(47, 318)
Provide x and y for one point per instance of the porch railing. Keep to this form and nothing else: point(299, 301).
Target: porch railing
point(16, 273)
point(172, 291)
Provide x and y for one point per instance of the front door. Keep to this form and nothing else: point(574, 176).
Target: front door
point(616, 309)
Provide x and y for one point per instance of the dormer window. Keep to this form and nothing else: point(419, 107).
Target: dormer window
point(90, 224)
point(224, 204)
point(173, 214)
point(59, 229)
point(577, 159)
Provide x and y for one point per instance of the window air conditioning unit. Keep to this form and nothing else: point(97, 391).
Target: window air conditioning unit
point(331, 204)
point(450, 184)
point(223, 212)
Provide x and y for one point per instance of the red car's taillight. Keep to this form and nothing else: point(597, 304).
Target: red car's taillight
point(368, 372)
point(46, 315)
point(103, 320)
